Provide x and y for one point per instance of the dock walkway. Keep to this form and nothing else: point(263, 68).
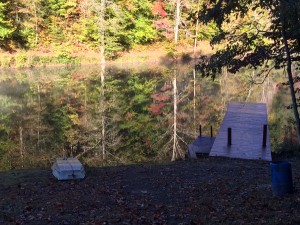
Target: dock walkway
point(246, 121)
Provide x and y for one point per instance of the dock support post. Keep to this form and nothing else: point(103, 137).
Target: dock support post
point(211, 131)
point(200, 130)
point(229, 136)
point(264, 144)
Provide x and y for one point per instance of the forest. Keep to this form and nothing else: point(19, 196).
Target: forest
point(67, 29)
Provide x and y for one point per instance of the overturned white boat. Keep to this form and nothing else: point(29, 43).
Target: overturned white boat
point(68, 169)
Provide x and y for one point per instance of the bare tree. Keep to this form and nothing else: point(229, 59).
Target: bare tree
point(21, 145)
point(102, 109)
point(177, 20)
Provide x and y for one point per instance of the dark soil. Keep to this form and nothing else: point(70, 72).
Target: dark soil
point(203, 191)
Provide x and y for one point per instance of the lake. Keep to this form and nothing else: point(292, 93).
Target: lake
point(125, 113)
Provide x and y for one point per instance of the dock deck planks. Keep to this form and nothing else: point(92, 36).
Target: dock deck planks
point(246, 121)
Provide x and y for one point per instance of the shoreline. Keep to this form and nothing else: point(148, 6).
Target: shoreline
point(156, 54)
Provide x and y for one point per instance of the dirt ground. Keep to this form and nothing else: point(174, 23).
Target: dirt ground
point(203, 191)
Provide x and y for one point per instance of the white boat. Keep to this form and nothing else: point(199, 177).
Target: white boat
point(68, 169)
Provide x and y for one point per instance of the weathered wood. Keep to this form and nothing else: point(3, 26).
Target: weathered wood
point(229, 136)
point(201, 145)
point(265, 136)
point(200, 130)
point(246, 121)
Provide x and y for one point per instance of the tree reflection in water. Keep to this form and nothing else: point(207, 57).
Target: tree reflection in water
point(133, 115)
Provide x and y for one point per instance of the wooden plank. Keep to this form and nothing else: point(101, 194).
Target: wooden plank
point(201, 145)
point(246, 121)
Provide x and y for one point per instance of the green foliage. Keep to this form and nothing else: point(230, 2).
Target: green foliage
point(76, 25)
point(63, 8)
point(136, 126)
point(6, 28)
point(90, 32)
point(35, 60)
point(65, 58)
point(171, 50)
point(6, 147)
point(58, 120)
point(143, 31)
point(5, 61)
point(56, 33)
point(282, 125)
point(139, 90)
point(130, 25)
point(21, 60)
point(249, 34)
point(207, 31)
point(29, 34)
point(24, 60)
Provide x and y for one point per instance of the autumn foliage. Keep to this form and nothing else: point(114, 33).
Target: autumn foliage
point(158, 9)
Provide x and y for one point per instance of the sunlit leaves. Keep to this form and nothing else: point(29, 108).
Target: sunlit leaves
point(250, 33)
point(6, 28)
point(62, 7)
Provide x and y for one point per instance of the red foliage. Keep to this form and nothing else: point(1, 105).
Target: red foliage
point(162, 24)
point(165, 26)
point(166, 87)
point(158, 9)
point(156, 109)
point(129, 5)
point(160, 97)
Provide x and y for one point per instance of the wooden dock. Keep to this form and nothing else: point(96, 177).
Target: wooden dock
point(201, 146)
point(245, 137)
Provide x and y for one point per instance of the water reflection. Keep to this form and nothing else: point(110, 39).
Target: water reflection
point(111, 114)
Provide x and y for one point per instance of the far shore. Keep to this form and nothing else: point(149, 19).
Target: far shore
point(155, 54)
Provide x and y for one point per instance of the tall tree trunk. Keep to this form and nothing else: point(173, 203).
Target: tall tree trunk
point(21, 145)
point(39, 117)
point(289, 69)
point(194, 69)
point(196, 30)
point(85, 105)
point(102, 110)
point(36, 23)
point(174, 154)
point(102, 30)
point(194, 102)
point(177, 21)
point(102, 27)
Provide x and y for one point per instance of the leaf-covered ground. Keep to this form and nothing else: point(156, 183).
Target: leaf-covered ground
point(203, 191)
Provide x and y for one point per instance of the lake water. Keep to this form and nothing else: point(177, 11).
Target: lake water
point(116, 114)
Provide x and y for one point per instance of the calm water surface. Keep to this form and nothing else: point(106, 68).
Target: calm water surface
point(120, 114)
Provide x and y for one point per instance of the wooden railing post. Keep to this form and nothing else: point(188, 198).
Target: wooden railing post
point(264, 144)
point(200, 130)
point(229, 136)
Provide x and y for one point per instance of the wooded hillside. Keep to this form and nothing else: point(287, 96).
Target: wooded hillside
point(70, 26)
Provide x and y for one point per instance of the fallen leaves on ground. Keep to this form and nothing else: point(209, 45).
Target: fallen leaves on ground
point(203, 191)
